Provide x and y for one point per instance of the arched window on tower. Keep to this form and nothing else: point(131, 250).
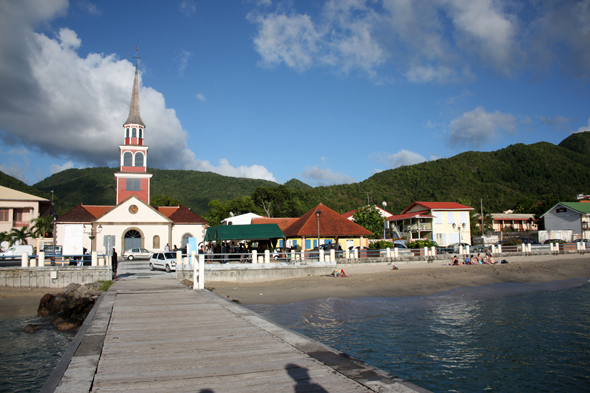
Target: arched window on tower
point(139, 159)
point(133, 132)
point(127, 159)
point(140, 133)
point(127, 132)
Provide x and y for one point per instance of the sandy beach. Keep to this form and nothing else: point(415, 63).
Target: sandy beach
point(412, 279)
point(21, 302)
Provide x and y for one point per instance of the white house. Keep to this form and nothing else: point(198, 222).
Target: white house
point(17, 209)
point(572, 216)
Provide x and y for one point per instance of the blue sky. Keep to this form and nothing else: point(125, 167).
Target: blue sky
point(327, 92)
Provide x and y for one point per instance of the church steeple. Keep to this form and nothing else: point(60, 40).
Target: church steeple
point(133, 179)
point(134, 116)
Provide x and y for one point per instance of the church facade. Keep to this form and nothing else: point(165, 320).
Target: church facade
point(132, 221)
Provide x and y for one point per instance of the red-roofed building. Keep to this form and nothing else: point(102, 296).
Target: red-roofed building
point(332, 227)
point(384, 213)
point(443, 222)
point(132, 221)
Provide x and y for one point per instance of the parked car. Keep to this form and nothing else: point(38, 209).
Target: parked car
point(137, 253)
point(553, 241)
point(163, 260)
point(16, 252)
point(587, 241)
point(528, 240)
point(452, 248)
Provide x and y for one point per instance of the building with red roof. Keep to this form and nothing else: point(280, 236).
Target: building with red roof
point(443, 222)
point(132, 221)
point(321, 223)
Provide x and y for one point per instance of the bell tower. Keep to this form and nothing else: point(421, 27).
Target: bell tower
point(132, 179)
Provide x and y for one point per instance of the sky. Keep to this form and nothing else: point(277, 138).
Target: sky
point(327, 92)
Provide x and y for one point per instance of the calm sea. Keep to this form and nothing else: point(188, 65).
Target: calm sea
point(498, 338)
point(27, 360)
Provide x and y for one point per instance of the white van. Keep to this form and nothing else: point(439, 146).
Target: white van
point(16, 251)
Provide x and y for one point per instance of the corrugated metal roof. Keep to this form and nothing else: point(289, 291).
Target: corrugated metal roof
point(13, 195)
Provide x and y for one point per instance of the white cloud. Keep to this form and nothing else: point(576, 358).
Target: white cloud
point(555, 121)
point(317, 176)
point(73, 108)
point(183, 59)
point(401, 158)
point(59, 168)
point(89, 7)
point(478, 127)
point(201, 97)
point(585, 128)
point(426, 41)
point(15, 170)
point(187, 7)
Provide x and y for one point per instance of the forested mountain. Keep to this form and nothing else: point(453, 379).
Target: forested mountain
point(518, 176)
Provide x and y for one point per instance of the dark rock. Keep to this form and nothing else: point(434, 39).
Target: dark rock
point(56, 304)
point(70, 288)
point(43, 311)
point(68, 324)
point(31, 328)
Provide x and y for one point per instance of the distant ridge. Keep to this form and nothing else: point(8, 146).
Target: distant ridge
point(518, 175)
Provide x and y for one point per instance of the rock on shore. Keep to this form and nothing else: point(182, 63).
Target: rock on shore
point(68, 310)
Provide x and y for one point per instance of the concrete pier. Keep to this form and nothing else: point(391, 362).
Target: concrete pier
point(157, 335)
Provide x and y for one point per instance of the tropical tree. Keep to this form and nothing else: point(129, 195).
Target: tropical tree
point(369, 218)
point(42, 227)
point(19, 235)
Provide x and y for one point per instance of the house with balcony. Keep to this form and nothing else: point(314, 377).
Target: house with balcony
point(443, 222)
point(574, 216)
point(18, 208)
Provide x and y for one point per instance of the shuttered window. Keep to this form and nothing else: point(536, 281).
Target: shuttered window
point(133, 184)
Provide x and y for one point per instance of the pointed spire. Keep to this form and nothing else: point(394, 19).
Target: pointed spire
point(134, 117)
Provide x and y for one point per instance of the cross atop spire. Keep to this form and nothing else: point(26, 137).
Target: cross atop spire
point(134, 116)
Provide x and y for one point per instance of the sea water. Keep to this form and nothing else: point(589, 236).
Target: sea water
point(28, 359)
point(498, 338)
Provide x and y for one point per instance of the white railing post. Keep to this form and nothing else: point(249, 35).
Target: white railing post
point(347, 253)
point(467, 248)
point(196, 272)
point(201, 271)
point(94, 258)
point(551, 247)
point(179, 260)
point(396, 252)
point(499, 249)
point(33, 262)
point(433, 251)
point(24, 262)
point(321, 255)
point(293, 256)
point(460, 250)
point(332, 255)
point(388, 252)
point(356, 253)
point(41, 259)
point(266, 256)
point(254, 256)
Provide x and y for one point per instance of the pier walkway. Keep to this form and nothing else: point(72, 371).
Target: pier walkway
point(156, 335)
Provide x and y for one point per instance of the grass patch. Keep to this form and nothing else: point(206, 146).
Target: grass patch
point(105, 285)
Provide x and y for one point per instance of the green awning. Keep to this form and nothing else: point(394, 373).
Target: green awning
point(244, 232)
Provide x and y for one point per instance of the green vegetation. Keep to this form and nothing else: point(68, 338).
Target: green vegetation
point(421, 244)
point(369, 218)
point(105, 285)
point(381, 245)
point(524, 178)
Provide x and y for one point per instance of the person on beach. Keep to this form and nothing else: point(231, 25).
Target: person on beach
point(114, 263)
point(490, 258)
point(455, 261)
point(467, 260)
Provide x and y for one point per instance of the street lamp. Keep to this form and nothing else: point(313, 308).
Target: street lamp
point(92, 232)
point(54, 232)
point(459, 228)
point(384, 220)
point(318, 214)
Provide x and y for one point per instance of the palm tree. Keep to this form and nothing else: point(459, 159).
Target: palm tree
point(42, 227)
point(19, 235)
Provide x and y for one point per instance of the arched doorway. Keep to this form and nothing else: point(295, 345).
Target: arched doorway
point(132, 239)
point(185, 238)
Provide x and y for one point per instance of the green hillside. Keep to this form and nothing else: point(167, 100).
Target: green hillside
point(518, 176)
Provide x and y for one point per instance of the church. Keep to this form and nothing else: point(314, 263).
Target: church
point(132, 221)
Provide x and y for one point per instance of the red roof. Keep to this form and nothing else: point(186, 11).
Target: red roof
point(181, 215)
point(283, 223)
point(420, 214)
point(439, 206)
point(83, 213)
point(331, 224)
